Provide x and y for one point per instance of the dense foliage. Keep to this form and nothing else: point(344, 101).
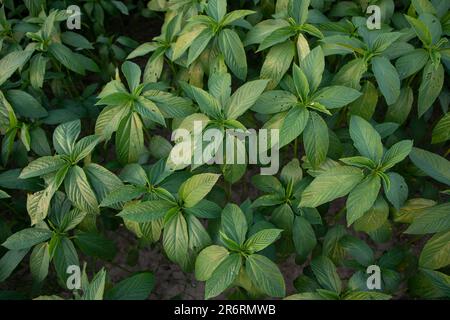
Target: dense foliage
point(87, 114)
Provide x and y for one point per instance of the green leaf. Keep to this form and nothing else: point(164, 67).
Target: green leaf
point(312, 30)
point(300, 82)
point(332, 184)
point(8, 118)
point(360, 162)
point(198, 236)
point(116, 99)
point(265, 275)
point(154, 66)
point(420, 29)
point(143, 49)
point(397, 193)
point(384, 40)
point(8, 145)
point(130, 139)
point(278, 36)
point(205, 209)
point(9, 261)
point(199, 45)
point(223, 276)
point(64, 256)
point(65, 135)
point(233, 51)
point(233, 223)
point(411, 209)
point(277, 63)
point(303, 236)
point(159, 147)
point(365, 105)
point(39, 262)
point(274, 101)
point(305, 296)
point(336, 96)
point(109, 119)
point(48, 25)
point(399, 111)
point(66, 57)
point(176, 239)
point(432, 164)
point(366, 139)
point(411, 63)
point(441, 131)
point(11, 62)
point(435, 253)
point(120, 6)
point(132, 74)
point(76, 40)
point(268, 200)
point(291, 173)
point(102, 180)
point(350, 74)
point(216, 9)
point(25, 136)
point(325, 272)
point(423, 6)
point(316, 139)
point(396, 153)
point(439, 280)
point(313, 66)
point(431, 220)
point(387, 78)
point(4, 195)
point(122, 194)
point(84, 147)
point(283, 217)
point(219, 85)
point(42, 166)
point(434, 26)
point(25, 104)
point(302, 46)
point(430, 87)
point(27, 238)
point(95, 245)
point(262, 239)
point(79, 190)
point(184, 41)
point(292, 125)
point(71, 219)
point(268, 184)
point(95, 289)
point(196, 188)
point(244, 98)
point(299, 10)
point(207, 103)
point(146, 211)
point(208, 260)
point(38, 203)
point(235, 15)
point(374, 218)
point(366, 295)
point(263, 29)
point(136, 287)
point(362, 197)
point(358, 249)
point(148, 109)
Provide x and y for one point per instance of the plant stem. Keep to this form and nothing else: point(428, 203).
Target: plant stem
point(295, 147)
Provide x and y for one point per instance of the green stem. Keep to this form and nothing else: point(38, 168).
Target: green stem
point(228, 190)
point(296, 147)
